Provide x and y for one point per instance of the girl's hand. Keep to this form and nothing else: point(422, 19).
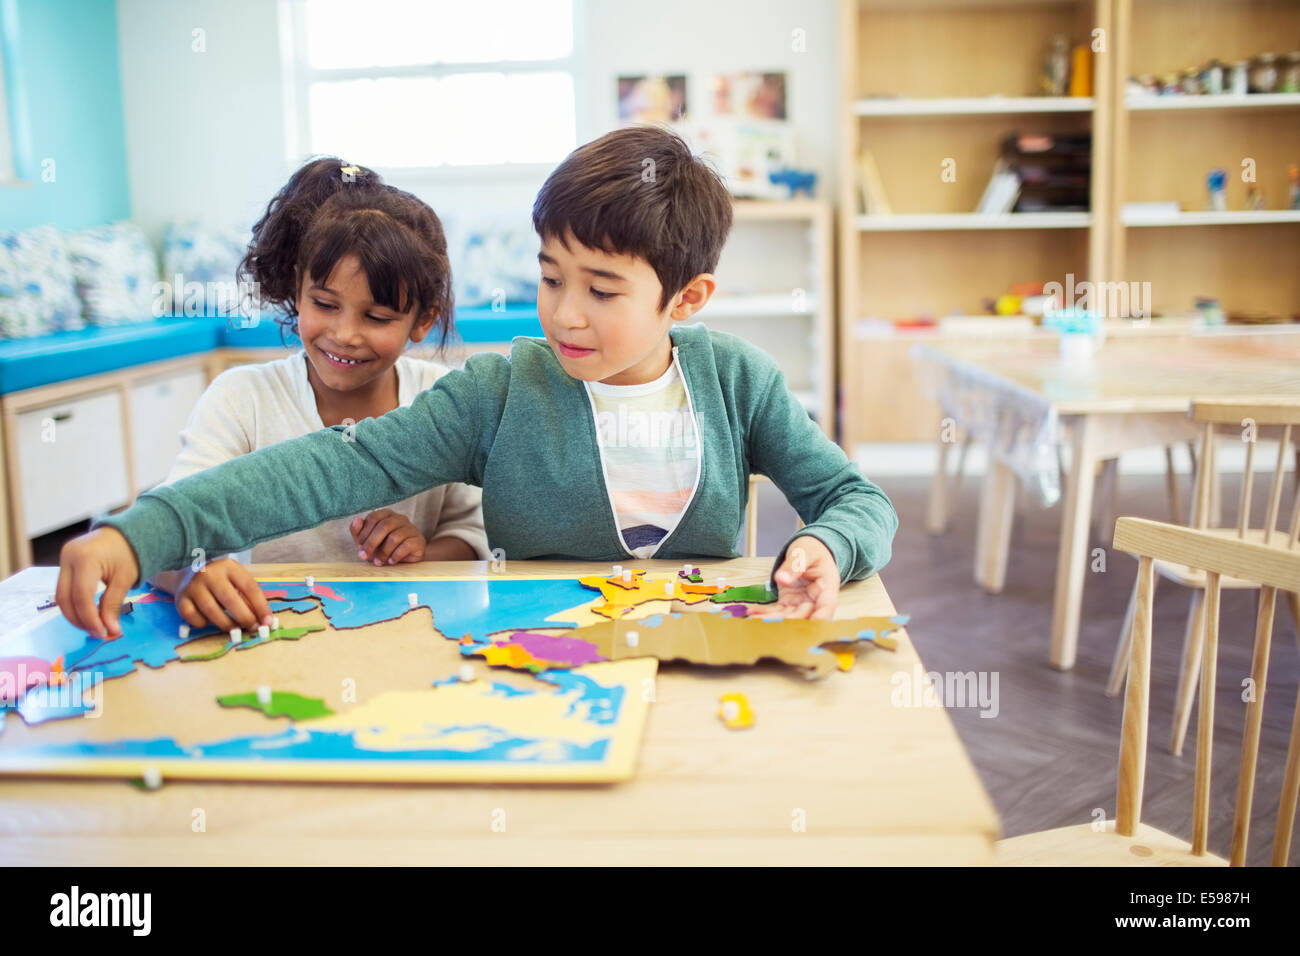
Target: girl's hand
point(100, 555)
point(386, 537)
point(808, 582)
point(224, 594)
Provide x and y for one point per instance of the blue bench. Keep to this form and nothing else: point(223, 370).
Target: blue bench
point(60, 356)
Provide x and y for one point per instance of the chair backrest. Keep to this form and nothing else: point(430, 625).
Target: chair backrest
point(1246, 419)
point(1273, 565)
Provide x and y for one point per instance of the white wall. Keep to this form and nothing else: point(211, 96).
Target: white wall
point(702, 38)
point(205, 132)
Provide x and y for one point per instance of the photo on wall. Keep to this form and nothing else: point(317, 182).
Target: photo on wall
point(757, 96)
point(652, 99)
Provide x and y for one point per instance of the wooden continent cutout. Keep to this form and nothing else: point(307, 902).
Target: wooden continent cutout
point(622, 596)
point(713, 639)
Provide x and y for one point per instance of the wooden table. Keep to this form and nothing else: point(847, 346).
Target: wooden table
point(875, 783)
point(1134, 393)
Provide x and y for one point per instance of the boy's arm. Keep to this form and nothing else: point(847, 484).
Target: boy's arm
point(841, 508)
point(305, 482)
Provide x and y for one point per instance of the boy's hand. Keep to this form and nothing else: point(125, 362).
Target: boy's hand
point(808, 582)
point(386, 537)
point(224, 594)
point(100, 555)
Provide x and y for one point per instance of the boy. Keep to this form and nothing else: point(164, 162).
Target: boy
point(622, 434)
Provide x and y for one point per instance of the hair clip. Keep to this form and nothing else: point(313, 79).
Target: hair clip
point(349, 173)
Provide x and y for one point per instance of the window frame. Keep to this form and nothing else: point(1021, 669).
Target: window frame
point(8, 156)
point(298, 75)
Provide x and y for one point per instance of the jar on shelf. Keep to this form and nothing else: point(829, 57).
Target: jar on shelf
point(1290, 82)
point(1263, 74)
point(1240, 84)
point(1169, 84)
point(1212, 78)
point(1190, 85)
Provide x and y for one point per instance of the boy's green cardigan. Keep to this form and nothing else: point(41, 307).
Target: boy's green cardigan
point(524, 430)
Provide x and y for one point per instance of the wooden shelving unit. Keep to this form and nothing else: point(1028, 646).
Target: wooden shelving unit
point(925, 80)
point(1165, 147)
point(914, 222)
point(972, 105)
point(1223, 101)
point(922, 82)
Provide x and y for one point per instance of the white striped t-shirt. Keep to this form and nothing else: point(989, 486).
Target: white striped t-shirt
point(650, 454)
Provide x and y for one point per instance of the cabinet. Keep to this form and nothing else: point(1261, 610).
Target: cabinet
point(160, 407)
point(73, 463)
point(82, 447)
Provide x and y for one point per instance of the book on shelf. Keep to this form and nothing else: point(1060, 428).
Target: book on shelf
point(1151, 211)
point(1055, 170)
point(871, 191)
point(1001, 192)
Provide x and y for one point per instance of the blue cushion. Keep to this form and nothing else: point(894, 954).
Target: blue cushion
point(45, 359)
point(479, 324)
point(264, 335)
point(27, 363)
point(474, 325)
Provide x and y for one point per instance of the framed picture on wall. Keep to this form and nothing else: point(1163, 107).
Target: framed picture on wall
point(652, 99)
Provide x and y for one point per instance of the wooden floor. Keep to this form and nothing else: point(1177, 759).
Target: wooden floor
point(1049, 758)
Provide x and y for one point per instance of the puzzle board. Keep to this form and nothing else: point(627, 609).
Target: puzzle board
point(189, 706)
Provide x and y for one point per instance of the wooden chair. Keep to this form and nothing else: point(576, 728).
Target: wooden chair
point(1235, 415)
point(1272, 563)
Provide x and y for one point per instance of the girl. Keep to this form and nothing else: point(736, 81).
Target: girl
point(359, 269)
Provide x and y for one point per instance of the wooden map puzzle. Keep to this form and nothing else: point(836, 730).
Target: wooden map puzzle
point(155, 699)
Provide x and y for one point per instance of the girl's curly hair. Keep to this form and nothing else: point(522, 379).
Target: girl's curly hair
point(329, 210)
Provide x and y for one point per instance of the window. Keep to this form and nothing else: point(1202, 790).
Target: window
point(6, 142)
point(430, 84)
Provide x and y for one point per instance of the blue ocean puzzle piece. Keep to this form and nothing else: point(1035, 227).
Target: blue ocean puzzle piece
point(603, 702)
point(51, 703)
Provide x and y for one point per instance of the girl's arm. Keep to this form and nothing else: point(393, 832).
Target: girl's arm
point(459, 534)
point(340, 471)
point(450, 549)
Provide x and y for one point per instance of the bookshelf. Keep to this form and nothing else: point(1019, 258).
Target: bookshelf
point(929, 81)
point(1166, 145)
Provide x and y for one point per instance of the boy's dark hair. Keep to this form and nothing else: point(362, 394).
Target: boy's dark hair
point(640, 191)
point(328, 210)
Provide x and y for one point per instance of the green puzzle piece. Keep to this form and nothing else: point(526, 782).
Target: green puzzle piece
point(748, 594)
point(283, 704)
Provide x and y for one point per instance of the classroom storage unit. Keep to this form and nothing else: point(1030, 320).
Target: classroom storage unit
point(1166, 147)
point(929, 85)
point(931, 90)
point(76, 449)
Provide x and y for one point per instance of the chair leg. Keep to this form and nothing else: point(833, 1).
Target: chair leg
point(1119, 666)
point(1105, 528)
point(955, 491)
point(1189, 674)
point(1254, 719)
point(936, 513)
point(751, 520)
point(1171, 484)
point(1293, 602)
point(1290, 794)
